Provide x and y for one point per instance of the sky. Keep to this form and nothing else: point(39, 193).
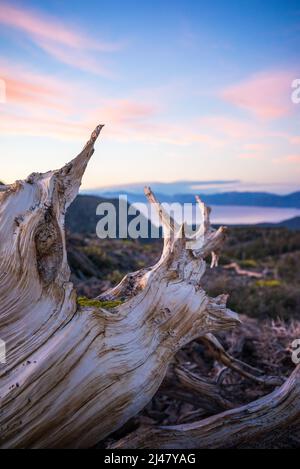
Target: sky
point(187, 90)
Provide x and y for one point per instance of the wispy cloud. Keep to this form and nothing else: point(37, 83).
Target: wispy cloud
point(245, 138)
point(45, 106)
point(231, 127)
point(40, 105)
point(37, 104)
point(62, 42)
point(254, 150)
point(76, 58)
point(267, 95)
point(28, 90)
point(127, 111)
point(41, 126)
point(140, 121)
point(295, 140)
point(292, 160)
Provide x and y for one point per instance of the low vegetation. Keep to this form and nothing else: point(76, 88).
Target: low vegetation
point(84, 301)
point(274, 252)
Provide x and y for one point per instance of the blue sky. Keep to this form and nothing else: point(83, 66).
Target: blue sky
point(187, 90)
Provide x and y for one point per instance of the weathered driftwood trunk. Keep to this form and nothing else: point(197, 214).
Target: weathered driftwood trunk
point(75, 374)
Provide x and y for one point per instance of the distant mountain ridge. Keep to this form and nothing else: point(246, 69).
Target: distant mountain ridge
point(81, 217)
point(291, 224)
point(170, 188)
point(256, 199)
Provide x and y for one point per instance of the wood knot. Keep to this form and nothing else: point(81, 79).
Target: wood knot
point(49, 248)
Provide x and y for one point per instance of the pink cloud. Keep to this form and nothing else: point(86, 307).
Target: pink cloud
point(266, 95)
point(257, 147)
point(295, 140)
point(46, 106)
point(138, 120)
point(246, 138)
point(254, 150)
point(292, 158)
point(29, 90)
point(43, 126)
point(41, 105)
point(127, 111)
point(289, 159)
point(57, 39)
point(249, 156)
point(289, 137)
point(38, 26)
point(174, 134)
point(230, 127)
point(126, 120)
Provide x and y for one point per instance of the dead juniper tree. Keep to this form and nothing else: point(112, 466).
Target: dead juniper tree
point(74, 374)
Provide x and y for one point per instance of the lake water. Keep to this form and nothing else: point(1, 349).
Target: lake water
point(228, 214)
point(251, 215)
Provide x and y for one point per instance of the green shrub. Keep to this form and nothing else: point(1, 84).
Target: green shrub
point(248, 263)
point(268, 283)
point(84, 301)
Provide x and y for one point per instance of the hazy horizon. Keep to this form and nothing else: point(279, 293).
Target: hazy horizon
point(194, 187)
